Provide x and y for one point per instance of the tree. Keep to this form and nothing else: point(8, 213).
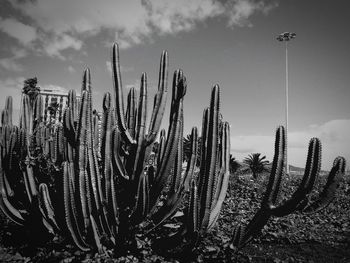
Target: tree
point(31, 89)
point(234, 164)
point(256, 163)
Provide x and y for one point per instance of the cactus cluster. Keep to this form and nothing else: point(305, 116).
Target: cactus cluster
point(94, 185)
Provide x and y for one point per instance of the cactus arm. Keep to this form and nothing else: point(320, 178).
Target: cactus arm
point(272, 189)
point(164, 166)
point(85, 198)
point(13, 147)
point(70, 218)
point(29, 182)
point(96, 235)
point(137, 161)
point(119, 99)
point(49, 212)
point(72, 104)
point(193, 223)
point(9, 210)
point(92, 158)
point(84, 189)
point(178, 175)
point(159, 100)
point(38, 111)
point(26, 118)
point(161, 148)
point(117, 163)
point(94, 183)
point(223, 176)
point(201, 179)
point(313, 164)
point(206, 194)
point(142, 200)
point(242, 235)
point(96, 135)
point(176, 192)
point(329, 190)
point(114, 215)
point(167, 210)
point(131, 112)
point(9, 109)
point(106, 151)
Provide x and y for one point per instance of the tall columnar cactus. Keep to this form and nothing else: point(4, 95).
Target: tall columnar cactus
point(209, 187)
point(23, 198)
point(106, 199)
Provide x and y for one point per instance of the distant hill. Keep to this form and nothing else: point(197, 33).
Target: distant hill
point(301, 170)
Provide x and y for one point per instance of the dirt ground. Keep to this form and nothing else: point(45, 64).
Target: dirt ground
point(321, 237)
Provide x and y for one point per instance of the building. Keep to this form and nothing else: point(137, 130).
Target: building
point(51, 95)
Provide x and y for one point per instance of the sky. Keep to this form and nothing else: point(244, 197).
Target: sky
point(227, 42)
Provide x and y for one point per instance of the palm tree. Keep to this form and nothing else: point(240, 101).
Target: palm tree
point(53, 108)
point(234, 164)
point(31, 89)
point(256, 163)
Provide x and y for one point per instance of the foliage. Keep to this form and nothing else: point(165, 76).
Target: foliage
point(53, 107)
point(256, 163)
point(234, 164)
point(321, 237)
point(30, 88)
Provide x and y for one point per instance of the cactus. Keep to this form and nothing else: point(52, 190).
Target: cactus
point(208, 187)
point(299, 201)
point(95, 186)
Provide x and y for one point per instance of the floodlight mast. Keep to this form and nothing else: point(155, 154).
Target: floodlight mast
point(286, 37)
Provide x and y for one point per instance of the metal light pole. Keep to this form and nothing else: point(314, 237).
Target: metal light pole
point(286, 37)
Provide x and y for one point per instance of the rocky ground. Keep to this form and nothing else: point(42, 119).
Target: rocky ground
point(321, 237)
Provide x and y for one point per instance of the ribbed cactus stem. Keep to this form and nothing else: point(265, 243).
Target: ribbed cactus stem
point(329, 190)
point(313, 165)
point(119, 99)
point(131, 110)
point(211, 155)
point(9, 210)
point(9, 110)
point(224, 173)
point(159, 99)
point(163, 169)
point(136, 164)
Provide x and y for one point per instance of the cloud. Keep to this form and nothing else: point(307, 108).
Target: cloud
point(55, 45)
point(65, 24)
point(71, 69)
point(25, 34)
point(11, 63)
point(239, 11)
point(333, 135)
